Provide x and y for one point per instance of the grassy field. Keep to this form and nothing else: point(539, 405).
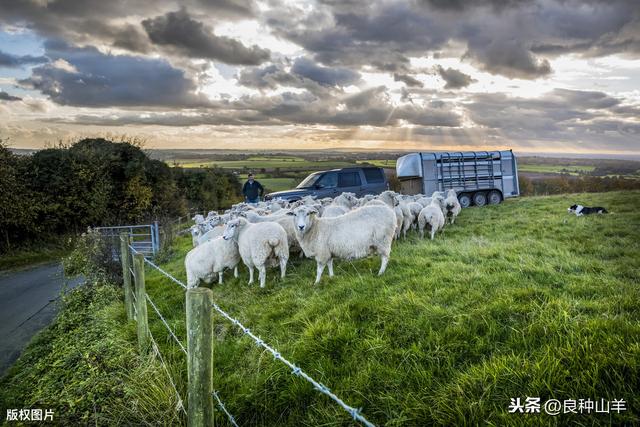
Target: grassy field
point(515, 300)
point(568, 169)
point(519, 299)
point(257, 163)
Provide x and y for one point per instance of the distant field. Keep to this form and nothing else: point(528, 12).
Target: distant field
point(257, 163)
point(568, 169)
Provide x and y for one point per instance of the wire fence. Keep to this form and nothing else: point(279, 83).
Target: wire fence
point(355, 413)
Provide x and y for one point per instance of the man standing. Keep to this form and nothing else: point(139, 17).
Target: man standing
point(252, 190)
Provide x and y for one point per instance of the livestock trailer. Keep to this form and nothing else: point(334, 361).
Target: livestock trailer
point(479, 177)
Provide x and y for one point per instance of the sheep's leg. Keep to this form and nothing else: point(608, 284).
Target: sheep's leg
point(433, 232)
point(220, 278)
point(384, 260)
point(262, 274)
point(283, 267)
point(250, 267)
point(319, 270)
point(235, 271)
point(330, 265)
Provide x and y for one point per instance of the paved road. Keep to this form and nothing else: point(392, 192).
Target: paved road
point(27, 304)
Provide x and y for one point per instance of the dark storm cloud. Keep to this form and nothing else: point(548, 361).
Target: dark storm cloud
point(179, 31)
point(407, 79)
point(506, 37)
point(553, 116)
point(15, 61)
point(324, 75)
point(4, 96)
point(455, 79)
point(95, 79)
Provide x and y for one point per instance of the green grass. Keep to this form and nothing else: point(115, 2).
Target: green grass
point(556, 169)
point(519, 299)
point(278, 184)
point(515, 300)
point(32, 255)
point(257, 163)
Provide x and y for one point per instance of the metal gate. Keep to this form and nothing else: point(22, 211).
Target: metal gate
point(144, 238)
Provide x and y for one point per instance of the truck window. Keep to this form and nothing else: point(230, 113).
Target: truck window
point(328, 180)
point(349, 179)
point(373, 175)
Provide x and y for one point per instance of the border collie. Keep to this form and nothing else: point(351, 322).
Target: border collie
point(580, 210)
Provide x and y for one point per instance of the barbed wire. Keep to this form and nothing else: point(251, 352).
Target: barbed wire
point(232, 420)
point(156, 349)
point(167, 275)
point(295, 370)
point(155, 308)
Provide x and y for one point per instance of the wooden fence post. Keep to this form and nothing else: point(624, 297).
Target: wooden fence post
point(141, 303)
point(126, 274)
point(199, 357)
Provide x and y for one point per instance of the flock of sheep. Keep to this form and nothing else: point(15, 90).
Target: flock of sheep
point(345, 227)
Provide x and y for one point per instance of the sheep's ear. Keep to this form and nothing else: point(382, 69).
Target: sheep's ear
point(291, 213)
point(313, 211)
point(243, 214)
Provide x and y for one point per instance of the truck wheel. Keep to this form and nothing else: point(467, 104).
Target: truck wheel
point(465, 200)
point(479, 199)
point(494, 197)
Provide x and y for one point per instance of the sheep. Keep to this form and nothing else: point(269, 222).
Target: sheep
point(211, 234)
point(333, 211)
point(356, 234)
point(195, 234)
point(414, 208)
point(365, 199)
point(424, 201)
point(346, 200)
point(390, 199)
point(432, 217)
point(198, 218)
point(452, 206)
point(439, 197)
point(284, 220)
point(209, 258)
point(259, 243)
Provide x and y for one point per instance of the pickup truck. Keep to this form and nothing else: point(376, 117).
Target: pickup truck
point(331, 183)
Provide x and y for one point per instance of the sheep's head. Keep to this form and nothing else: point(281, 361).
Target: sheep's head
point(198, 219)
point(451, 193)
point(303, 217)
point(232, 228)
point(195, 231)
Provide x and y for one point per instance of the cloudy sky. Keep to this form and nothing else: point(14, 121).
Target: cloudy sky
point(536, 76)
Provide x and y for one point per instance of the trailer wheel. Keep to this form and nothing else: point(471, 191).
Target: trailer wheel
point(465, 200)
point(494, 197)
point(479, 199)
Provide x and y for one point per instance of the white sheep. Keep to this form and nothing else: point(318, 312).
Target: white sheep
point(333, 211)
point(431, 217)
point(391, 200)
point(414, 208)
point(358, 233)
point(258, 244)
point(209, 258)
point(195, 234)
point(424, 201)
point(211, 234)
point(452, 206)
point(439, 197)
point(346, 200)
point(281, 218)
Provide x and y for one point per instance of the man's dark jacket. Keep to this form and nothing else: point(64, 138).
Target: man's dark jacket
point(252, 190)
